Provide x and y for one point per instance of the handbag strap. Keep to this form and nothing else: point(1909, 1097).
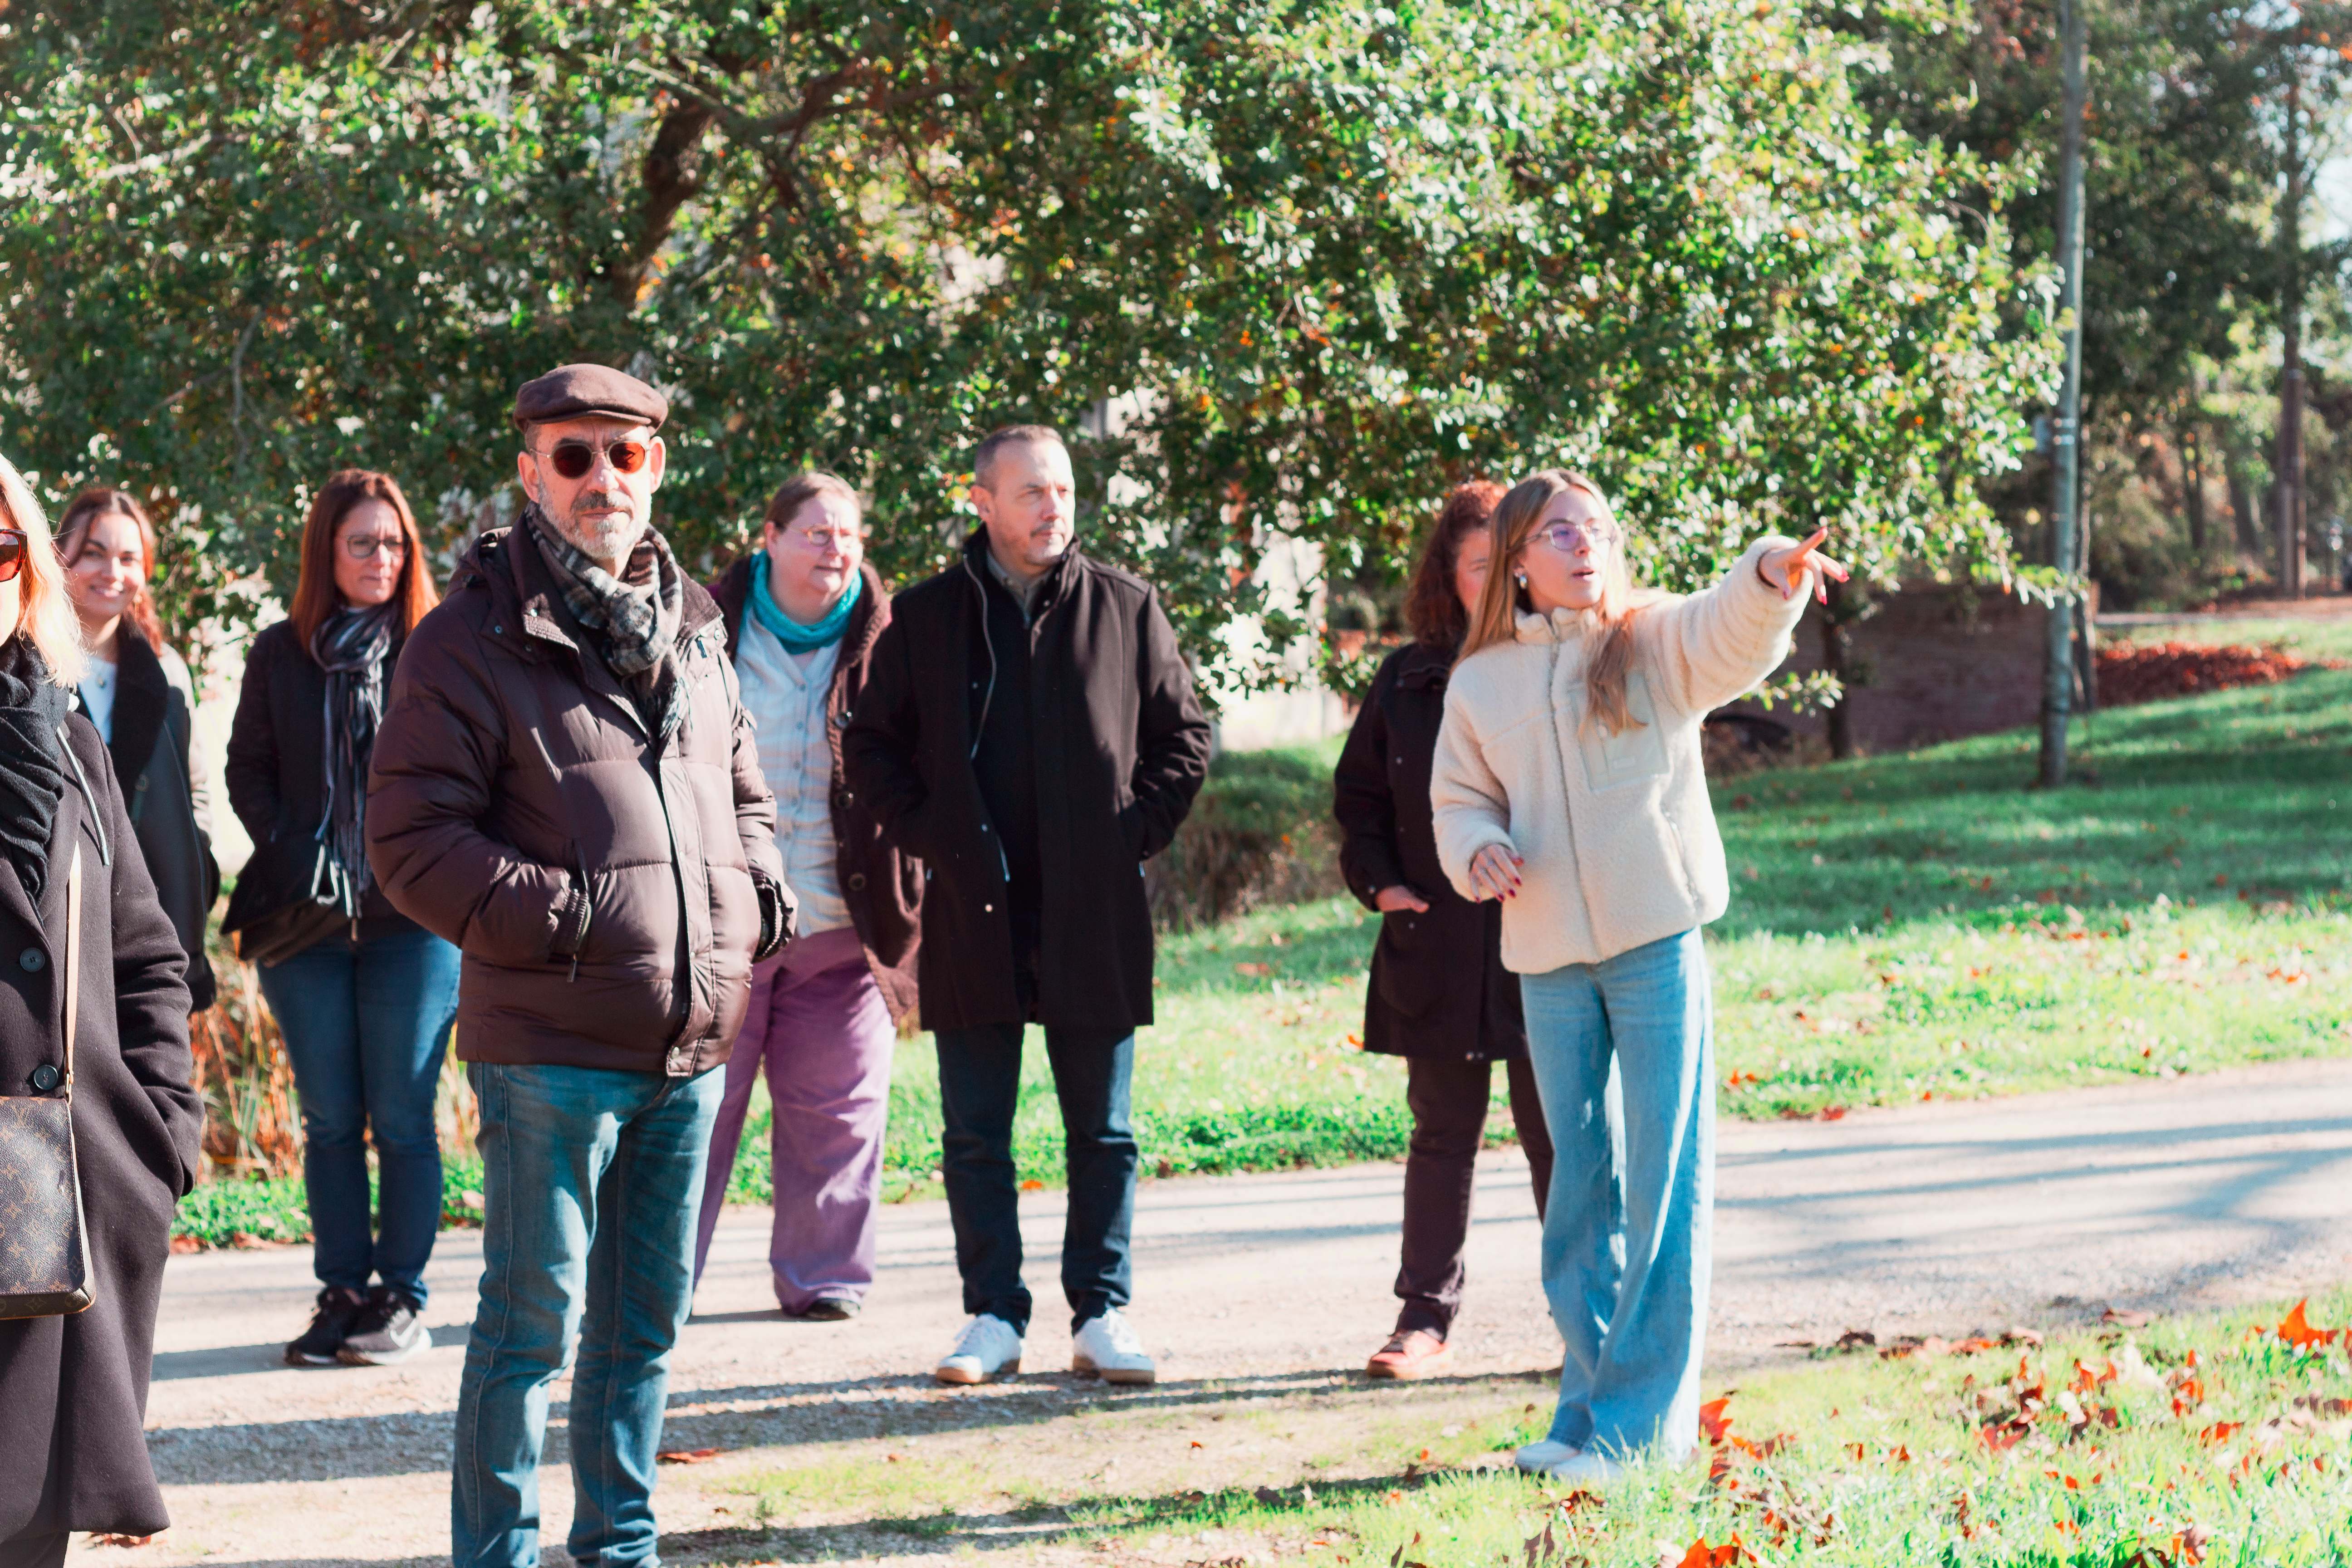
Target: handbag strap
point(73, 959)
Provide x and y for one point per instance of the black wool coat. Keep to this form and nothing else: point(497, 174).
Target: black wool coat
point(277, 782)
point(73, 1390)
point(1121, 749)
point(1439, 989)
point(883, 887)
point(163, 785)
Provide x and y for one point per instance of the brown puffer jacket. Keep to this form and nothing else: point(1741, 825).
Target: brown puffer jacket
point(606, 891)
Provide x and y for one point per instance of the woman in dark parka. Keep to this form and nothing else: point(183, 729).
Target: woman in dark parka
point(73, 1390)
point(1439, 996)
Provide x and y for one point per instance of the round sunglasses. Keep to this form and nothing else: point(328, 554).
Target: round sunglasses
point(12, 553)
point(573, 459)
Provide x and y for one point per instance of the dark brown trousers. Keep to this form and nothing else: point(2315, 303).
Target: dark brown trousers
point(1448, 1100)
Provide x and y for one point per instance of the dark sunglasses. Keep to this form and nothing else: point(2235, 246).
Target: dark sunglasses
point(12, 553)
point(573, 460)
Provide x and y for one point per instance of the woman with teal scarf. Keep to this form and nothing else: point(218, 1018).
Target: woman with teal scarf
point(802, 612)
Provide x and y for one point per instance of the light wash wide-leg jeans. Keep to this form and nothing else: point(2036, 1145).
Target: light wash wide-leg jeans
point(1628, 1248)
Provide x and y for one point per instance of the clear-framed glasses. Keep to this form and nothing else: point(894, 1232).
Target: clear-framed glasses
point(368, 546)
point(1566, 537)
point(826, 538)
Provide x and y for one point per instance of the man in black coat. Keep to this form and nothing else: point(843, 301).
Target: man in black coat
point(1030, 731)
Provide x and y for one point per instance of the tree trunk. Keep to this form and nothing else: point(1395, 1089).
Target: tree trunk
point(2192, 488)
point(2241, 512)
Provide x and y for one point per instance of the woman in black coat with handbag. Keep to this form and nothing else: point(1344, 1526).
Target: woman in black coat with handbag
point(1439, 996)
point(77, 1314)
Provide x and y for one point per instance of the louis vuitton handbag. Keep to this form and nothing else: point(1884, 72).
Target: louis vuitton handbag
point(43, 1246)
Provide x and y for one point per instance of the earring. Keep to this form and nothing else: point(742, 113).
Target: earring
point(1520, 578)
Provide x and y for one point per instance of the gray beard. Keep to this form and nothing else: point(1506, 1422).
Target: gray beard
point(608, 538)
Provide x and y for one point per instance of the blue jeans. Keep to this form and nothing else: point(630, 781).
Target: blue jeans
point(365, 1027)
point(592, 1180)
point(1627, 1244)
point(979, 1090)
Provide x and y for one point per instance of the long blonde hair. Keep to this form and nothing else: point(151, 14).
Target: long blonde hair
point(44, 614)
point(1503, 601)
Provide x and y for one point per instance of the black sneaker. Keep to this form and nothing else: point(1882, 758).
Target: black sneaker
point(390, 1330)
point(830, 1309)
point(339, 1307)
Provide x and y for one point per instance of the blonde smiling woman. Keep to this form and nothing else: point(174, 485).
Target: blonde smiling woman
point(1568, 785)
point(77, 1325)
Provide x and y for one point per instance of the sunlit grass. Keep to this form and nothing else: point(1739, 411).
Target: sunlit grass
point(2204, 1436)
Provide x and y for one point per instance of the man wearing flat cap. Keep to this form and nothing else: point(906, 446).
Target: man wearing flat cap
point(565, 785)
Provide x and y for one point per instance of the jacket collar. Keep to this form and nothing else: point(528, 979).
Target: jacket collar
point(521, 589)
point(142, 697)
point(1058, 576)
point(1419, 665)
point(1561, 625)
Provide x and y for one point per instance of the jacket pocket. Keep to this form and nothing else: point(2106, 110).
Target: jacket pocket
point(1630, 755)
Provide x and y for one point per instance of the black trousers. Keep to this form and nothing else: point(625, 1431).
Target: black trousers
point(1448, 1100)
point(979, 1091)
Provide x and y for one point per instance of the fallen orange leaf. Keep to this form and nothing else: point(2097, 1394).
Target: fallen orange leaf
point(686, 1455)
point(1712, 1419)
point(2219, 1432)
point(1032, 1185)
point(2296, 1329)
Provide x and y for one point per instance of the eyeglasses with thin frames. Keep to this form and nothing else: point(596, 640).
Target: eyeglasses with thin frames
point(1566, 537)
point(823, 538)
point(368, 546)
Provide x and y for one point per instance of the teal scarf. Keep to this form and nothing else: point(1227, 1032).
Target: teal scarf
point(796, 638)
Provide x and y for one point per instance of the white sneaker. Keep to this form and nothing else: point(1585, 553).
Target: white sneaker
point(1107, 1345)
point(987, 1349)
point(1545, 1458)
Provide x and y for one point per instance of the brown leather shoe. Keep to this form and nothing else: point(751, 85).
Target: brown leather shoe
point(1410, 1356)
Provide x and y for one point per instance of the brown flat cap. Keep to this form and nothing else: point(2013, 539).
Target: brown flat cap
point(576, 391)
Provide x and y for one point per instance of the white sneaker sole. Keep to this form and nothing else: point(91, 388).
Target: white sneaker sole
point(965, 1377)
point(392, 1357)
point(1135, 1376)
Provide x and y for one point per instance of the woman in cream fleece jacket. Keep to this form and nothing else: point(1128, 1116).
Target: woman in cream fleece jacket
point(1567, 784)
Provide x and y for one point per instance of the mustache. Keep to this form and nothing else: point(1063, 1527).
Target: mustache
point(602, 500)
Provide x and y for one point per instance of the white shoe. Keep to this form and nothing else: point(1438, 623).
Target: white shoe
point(987, 1349)
point(1107, 1345)
point(1562, 1462)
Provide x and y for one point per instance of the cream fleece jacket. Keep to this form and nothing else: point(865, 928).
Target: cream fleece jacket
point(1617, 832)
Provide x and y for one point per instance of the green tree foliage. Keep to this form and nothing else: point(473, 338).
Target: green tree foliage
point(1318, 260)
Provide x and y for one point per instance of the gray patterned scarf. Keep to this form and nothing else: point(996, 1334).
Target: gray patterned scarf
point(635, 617)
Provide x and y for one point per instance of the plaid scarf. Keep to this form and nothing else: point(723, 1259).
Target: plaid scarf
point(634, 617)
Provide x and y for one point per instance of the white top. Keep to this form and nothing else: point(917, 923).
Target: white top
point(785, 693)
point(97, 693)
point(1616, 829)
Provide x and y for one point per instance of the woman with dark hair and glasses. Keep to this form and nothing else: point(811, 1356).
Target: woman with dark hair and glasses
point(136, 691)
point(363, 996)
point(1439, 996)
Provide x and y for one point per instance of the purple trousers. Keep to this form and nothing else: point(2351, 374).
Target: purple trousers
point(820, 1026)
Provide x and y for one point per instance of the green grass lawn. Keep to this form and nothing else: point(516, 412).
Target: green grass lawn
point(2208, 1438)
point(1909, 925)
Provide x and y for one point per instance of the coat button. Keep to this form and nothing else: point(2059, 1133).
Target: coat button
point(46, 1078)
point(32, 961)
point(858, 881)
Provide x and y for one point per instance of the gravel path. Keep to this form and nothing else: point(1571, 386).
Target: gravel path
point(1937, 1218)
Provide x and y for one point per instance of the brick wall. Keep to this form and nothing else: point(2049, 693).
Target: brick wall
point(1941, 662)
